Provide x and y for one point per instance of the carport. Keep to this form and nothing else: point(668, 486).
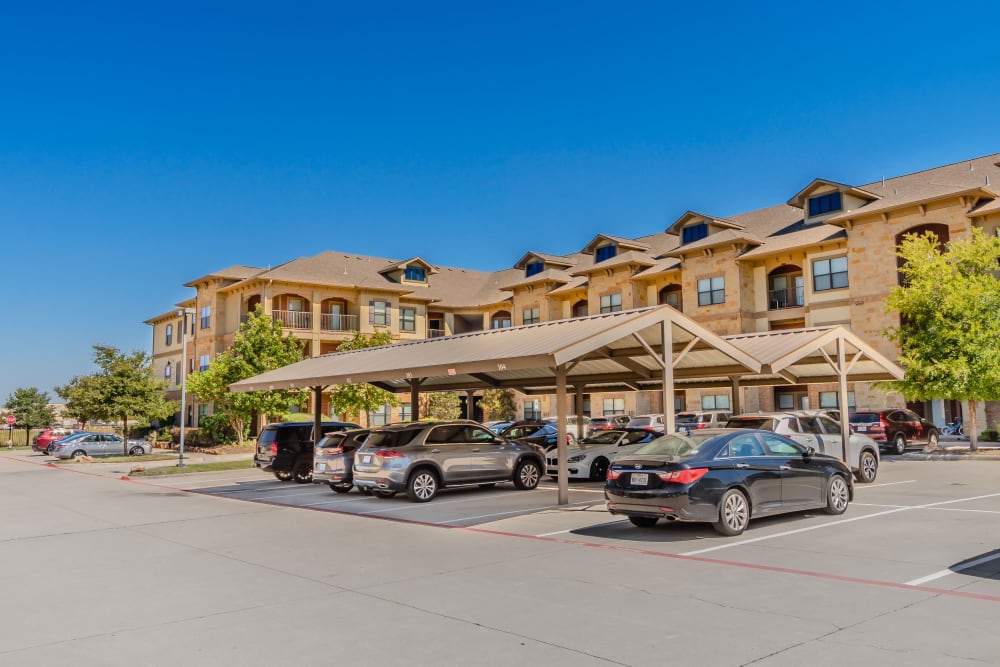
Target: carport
point(646, 348)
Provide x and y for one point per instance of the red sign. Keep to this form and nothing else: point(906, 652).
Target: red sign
point(11, 419)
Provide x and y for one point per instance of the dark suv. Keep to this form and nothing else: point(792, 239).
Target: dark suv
point(286, 449)
point(421, 458)
point(895, 429)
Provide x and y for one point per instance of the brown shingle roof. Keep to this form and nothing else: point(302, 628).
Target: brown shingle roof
point(237, 272)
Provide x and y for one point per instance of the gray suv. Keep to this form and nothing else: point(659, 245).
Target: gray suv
point(422, 457)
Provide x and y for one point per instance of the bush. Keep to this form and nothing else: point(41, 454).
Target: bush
point(214, 430)
point(989, 434)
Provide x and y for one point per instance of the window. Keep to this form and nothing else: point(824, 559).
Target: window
point(824, 203)
point(711, 291)
point(203, 362)
point(781, 447)
point(296, 304)
point(694, 233)
point(533, 410)
point(202, 411)
point(500, 320)
point(407, 319)
point(614, 406)
point(406, 412)
point(380, 417)
point(415, 274)
point(605, 252)
point(670, 296)
point(533, 268)
point(611, 303)
point(167, 370)
point(831, 399)
point(531, 315)
point(580, 308)
point(170, 334)
point(206, 317)
point(716, 402)
point(830, 274)
point(190, 365)
point(378, 313)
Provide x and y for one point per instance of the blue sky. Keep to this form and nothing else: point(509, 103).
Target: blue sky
point(147, 144)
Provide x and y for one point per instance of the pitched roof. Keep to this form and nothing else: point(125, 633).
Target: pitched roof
point(623, 259)
point(546, 276)
point(620, 241)
point(725, 237)
point(679, 223)
point(556, 260)
point(801, 197)
point(237, 272)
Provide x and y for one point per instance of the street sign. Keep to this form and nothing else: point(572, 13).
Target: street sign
point(11, 419)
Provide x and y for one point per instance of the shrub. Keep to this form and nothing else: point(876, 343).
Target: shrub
point(215, 430)
point(989, 434)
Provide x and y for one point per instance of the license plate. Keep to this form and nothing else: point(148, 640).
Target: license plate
point(639, 479)
point(320, 467)
point(860, 429)
point(366, 458)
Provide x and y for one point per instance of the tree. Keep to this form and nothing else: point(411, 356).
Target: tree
point(31, 408)
point(949, 334)
point(350, 400)
point(499, 404)
point(126, 387)
point(258, 347)
point(83, 398)
point(443, 405)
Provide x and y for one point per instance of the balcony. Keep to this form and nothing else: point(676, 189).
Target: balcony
point(435, 333)
point(792, 297)
point(333, 322)
point(293, 319)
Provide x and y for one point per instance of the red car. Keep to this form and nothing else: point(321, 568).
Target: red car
point(895, 429)
point(41, 442)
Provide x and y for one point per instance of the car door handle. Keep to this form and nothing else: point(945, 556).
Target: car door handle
point(784, 467)
point(435, 451)
point(742, 465)
point(475, 449)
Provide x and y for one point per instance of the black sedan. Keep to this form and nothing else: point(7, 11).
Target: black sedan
point(725, 477)
point(542, 434)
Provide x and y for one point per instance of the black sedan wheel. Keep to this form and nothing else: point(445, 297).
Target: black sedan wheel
point(867, 468)
point(599, 470)
point(837, 496)
point(734, 513)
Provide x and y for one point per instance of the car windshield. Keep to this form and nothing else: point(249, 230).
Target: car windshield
point(764, 423)
point(672, 445)
point(864, 418)
point(605, 438)
point(391, 439)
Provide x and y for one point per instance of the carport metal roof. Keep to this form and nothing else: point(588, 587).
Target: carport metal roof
point(623, 350)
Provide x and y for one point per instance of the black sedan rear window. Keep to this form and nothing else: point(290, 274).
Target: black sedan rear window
point(672, 445)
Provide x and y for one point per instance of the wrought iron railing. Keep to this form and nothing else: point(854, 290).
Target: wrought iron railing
point(293, 319)
point(435, 333)
point(792, 297)
point(335, 322)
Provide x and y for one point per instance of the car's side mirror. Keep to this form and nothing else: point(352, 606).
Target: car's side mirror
point(809, 452)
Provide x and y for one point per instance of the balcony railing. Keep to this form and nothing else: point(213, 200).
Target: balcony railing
point(293, 319)
point(328, 322)
point(435, 333)
point(792, 297)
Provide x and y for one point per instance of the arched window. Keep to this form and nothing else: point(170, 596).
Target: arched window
point(580, 308)
point(671, 296)
point(938, 230)
point(500, 320)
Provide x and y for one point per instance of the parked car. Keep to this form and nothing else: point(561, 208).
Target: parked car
point(497, 426)
point(543, 434)
point(286, 449)
point(895, 429)
point(40, 443)
point(575, 431)
point(607, 423)
point(99, 444)
point(423, 457)
point(333, 458)
point(648, 422)
point(699, 419)
point(821, 433)
point(51, 447)
point(725, 477)
point(590, 458)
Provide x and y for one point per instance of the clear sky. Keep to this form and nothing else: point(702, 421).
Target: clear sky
point(143, 145)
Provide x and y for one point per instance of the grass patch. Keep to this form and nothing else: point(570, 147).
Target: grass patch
point(124, 459)
point(194, 467)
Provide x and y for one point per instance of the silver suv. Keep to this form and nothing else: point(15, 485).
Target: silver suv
point(421, 458)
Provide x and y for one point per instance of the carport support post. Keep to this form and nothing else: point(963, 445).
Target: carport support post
point(734, 383)
point(581, 432)
point(668, 376)
point(469, 411)
point(845, 426)
point(415, 400)
point(563, 477)
point(317, 415)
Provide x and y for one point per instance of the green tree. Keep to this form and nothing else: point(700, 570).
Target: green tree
point(258, 347)
point(443, 405)
point(83, 398)
point(949, 335)
point(127, 389)
point(31, 408)
point(351, 400)
point(499, 404)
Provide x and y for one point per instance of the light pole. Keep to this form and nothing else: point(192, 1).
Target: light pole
point(184, 354)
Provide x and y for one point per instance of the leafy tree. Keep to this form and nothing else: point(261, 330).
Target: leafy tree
point(443, 405)
point(350, 400)
point(499, 404)
point(127, 388)
point(83, 398)
point(949, 335)
point(258, 347)
point(31, 408)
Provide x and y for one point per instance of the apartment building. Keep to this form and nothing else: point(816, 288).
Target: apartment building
point(825, 256)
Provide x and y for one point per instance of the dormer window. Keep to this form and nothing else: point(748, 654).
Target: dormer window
point(533, 268)
point(415, 274)
point(694, 233)
point(824, 204)
point(605, 252)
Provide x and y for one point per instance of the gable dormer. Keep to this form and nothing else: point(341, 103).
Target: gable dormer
point(822, 199)
point(604, 247)
point(693, 226)
point(413, 271)
point(534, 263)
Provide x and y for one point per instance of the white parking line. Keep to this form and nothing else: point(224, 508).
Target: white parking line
point(875, 486)
point(412, 506)
point(341, 500)
point(556, 488)
point(835, 523)
point(954, 570)
point(284, 495)
point(527, 509)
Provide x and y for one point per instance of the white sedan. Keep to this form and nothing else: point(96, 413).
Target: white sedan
point(590, 458)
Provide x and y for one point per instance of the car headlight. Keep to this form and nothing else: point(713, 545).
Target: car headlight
point(577, 458)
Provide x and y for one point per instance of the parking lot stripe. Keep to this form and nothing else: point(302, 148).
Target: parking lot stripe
point(953, 570)
point(411, 506)
point(341, 500)
point(527, 509)
point(875, 486)
point(556, 488)
point(284, 495)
